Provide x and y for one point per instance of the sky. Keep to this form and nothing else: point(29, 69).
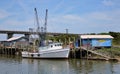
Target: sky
point(78, 16)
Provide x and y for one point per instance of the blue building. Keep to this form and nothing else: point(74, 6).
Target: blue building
point(95, 41)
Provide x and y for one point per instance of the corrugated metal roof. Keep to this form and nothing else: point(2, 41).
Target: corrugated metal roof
point(95, 36)
point(14, 38)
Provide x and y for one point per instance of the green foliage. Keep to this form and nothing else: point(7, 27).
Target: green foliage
point(66, 38)
point(104, 33)
point(116, 36)
point(110, 51)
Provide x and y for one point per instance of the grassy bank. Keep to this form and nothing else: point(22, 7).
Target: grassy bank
point(112, 52)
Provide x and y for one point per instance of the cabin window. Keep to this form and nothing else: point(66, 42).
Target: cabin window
point(32, 55)
point(51, 46)
point(38, 54)
point(59, 44)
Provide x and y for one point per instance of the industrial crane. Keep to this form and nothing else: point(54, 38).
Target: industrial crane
point(38, 27)
point(42, 33)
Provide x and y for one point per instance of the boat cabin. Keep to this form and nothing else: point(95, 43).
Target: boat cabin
point(55, 46)
point(52, 46)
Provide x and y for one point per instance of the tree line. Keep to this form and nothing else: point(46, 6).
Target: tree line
point(66, 38)
point(116, 39)
point(116, 35)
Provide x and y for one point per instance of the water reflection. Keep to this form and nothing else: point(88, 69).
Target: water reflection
point(17, 65)
point(46, 66)
point(91, 67)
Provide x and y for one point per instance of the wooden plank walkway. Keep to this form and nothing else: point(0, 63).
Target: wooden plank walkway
point(94, 52)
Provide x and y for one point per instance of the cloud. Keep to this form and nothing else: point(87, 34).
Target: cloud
point(73, 17)
point(63, 16)
point(98, 21)
point(68, 18)
point(61, 22)
point(23, 6)
point(14, 24)
point(3, 14)
point(59, 5)
point(99, 16)
point(107, 2)
point(103, 21)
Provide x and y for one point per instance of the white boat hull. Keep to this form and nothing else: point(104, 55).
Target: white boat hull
point(59, 53)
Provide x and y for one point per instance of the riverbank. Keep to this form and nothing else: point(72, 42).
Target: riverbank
point(113, 52)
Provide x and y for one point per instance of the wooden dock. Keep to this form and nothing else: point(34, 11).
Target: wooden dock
point(94, 52)
point(80, 53)
point(89, 54)
point(10, 51)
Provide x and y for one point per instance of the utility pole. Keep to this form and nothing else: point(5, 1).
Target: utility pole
point(66, 31)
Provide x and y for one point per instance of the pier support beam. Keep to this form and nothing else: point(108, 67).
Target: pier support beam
point(27, 36)
point(9, 35)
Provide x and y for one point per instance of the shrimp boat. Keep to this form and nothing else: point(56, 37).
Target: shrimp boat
point(53, 50)
point(49, 50)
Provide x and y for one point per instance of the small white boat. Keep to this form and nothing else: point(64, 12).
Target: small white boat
point(54, 50)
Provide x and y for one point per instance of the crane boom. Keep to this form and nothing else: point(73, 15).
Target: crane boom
point(38, 27)
point(42, 33)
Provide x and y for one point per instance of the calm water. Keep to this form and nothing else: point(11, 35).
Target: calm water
point(17, 65)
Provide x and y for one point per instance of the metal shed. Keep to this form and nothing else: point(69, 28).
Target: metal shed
point(16, 41)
